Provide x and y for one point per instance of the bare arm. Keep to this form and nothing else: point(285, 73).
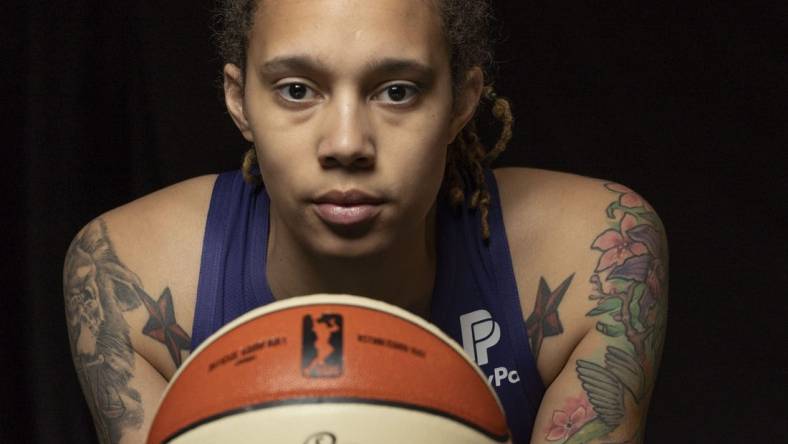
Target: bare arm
point(121, 387)
point(601, 394)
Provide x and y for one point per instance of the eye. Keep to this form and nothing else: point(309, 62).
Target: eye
point(398, 93)
point(296, 92)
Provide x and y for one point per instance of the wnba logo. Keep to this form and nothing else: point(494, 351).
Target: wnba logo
point(321, 351)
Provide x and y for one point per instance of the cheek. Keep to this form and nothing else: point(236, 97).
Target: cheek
point(420, 148)
point(281, 141)
point(418, 164)
point(285, 155)
point(423, 169)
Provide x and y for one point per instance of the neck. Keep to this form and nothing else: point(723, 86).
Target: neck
point(402, 275)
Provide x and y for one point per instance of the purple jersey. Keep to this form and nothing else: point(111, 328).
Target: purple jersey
point(475, 298)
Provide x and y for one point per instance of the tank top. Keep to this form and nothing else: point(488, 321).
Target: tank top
point(475, 298)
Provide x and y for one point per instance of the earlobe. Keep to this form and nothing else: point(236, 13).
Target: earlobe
point(234, 98)
point(467, 101)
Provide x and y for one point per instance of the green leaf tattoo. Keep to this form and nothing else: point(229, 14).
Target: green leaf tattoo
point(629, 286)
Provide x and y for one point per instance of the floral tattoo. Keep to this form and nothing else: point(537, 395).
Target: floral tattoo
point(629, 287)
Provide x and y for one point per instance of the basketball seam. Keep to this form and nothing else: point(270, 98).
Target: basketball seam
point(249, 401)
point(340, 400)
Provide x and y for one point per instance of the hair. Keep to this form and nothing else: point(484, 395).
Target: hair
point(466, 27)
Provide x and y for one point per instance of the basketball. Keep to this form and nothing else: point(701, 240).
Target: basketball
point(329, 369)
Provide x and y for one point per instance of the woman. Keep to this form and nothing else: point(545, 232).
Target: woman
point(367, 177)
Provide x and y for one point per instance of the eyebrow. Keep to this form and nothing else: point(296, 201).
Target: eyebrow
point(285, 64)
point(394, 65)
point(311, 65)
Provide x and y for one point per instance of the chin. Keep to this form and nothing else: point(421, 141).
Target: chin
point(341, 247)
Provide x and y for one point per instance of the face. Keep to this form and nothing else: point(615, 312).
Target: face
point(349, 105)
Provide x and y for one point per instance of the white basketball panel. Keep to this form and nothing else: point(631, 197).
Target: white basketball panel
point(334, 423)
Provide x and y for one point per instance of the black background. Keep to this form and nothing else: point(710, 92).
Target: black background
point(105, 101)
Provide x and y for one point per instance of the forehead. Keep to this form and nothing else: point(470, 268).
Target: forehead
point(347, 30)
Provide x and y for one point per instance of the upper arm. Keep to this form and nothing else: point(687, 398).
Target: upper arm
point(602, 392)
point(121, 387)
point(590, 259)
point(129, 282)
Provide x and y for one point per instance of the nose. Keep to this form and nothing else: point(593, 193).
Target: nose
point(347, 142)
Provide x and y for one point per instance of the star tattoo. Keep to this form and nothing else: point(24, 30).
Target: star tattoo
point(544, 321)
point(162, 325)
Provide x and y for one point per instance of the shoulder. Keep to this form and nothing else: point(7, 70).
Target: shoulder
point(160, 235)
point(559, 215)
point(542, 207)
point(147, 250)
point(163, 220)
point(576, 198)
point(565, 233)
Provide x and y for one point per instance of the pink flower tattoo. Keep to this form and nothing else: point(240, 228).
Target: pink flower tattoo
point(617, 245)
point(628, 198)
point(565, 425)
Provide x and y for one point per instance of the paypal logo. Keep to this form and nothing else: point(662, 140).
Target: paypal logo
point(479, 333)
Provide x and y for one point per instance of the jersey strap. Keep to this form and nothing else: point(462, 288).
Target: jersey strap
point(476, 302)
point(232, 268)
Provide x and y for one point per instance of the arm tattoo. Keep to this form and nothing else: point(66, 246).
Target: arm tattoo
point(629, 286)
point(98, 289)
point(544, 320)
point(162, 326)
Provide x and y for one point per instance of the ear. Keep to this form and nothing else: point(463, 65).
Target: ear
point(234, 99)
point(467, 101)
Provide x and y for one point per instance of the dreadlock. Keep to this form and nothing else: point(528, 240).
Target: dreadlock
point(466, 26)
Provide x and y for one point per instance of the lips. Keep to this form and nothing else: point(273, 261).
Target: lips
point(347, 208)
